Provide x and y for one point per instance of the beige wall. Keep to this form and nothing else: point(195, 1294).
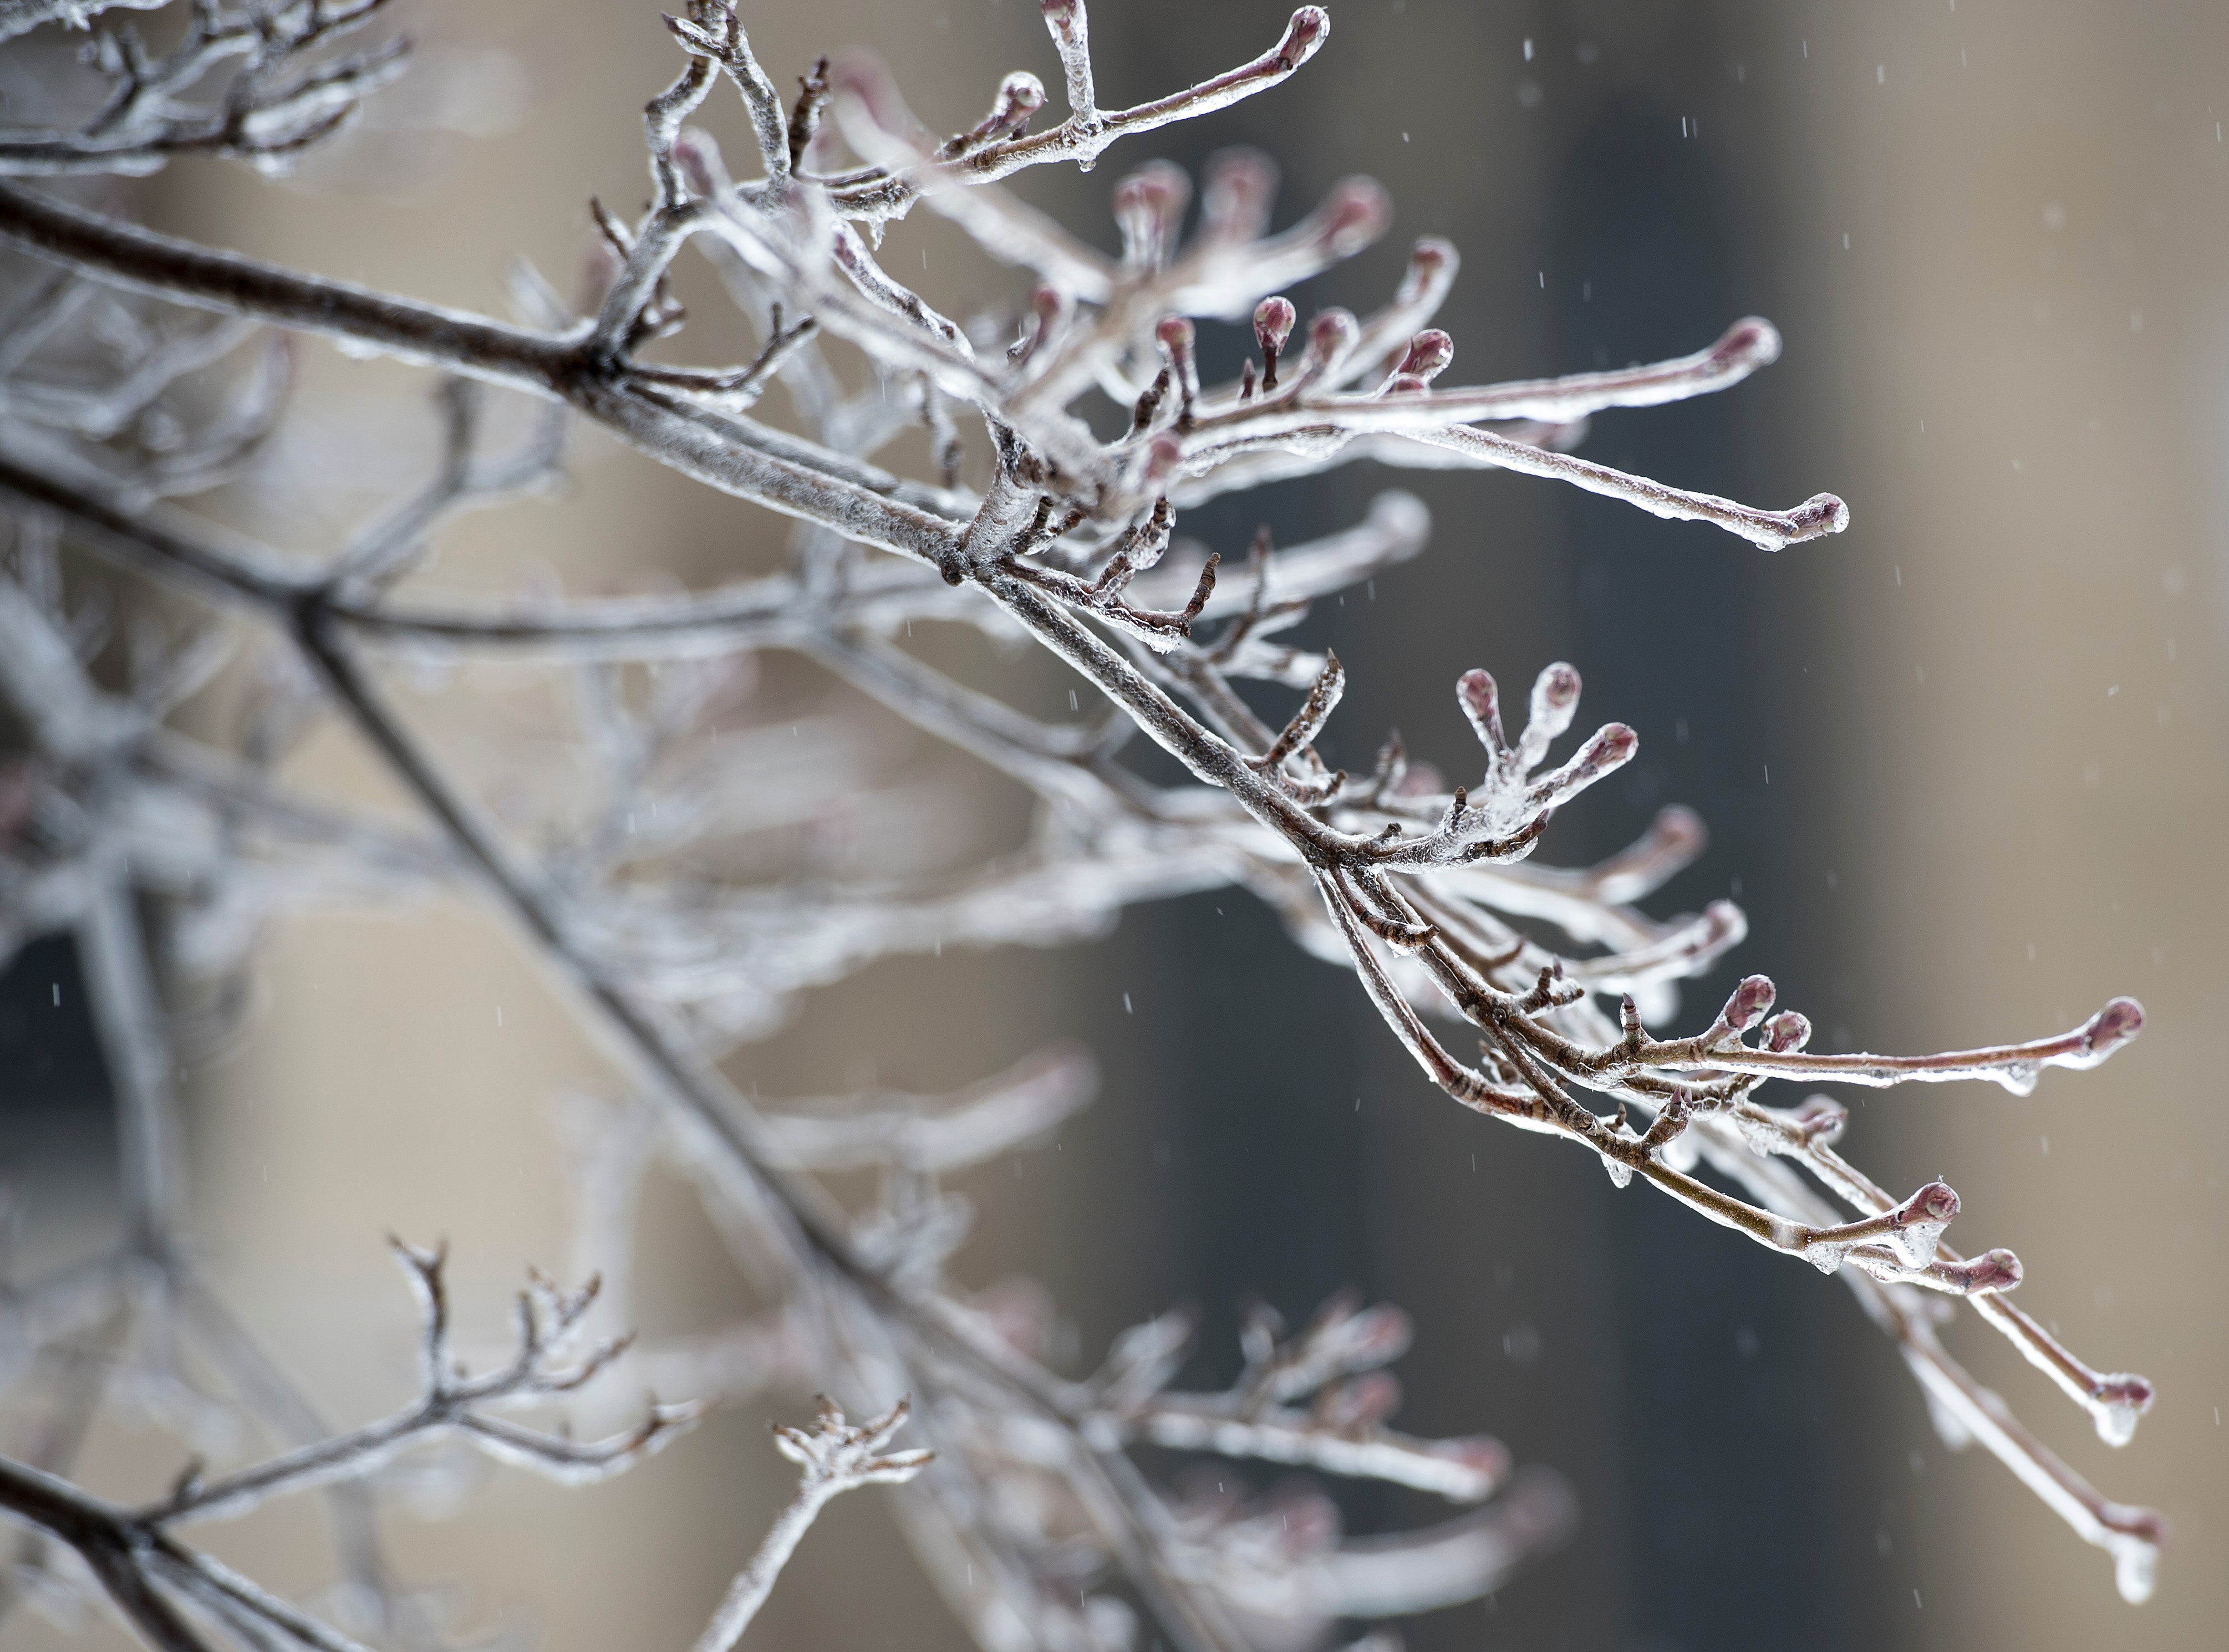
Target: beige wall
point(2030, 355)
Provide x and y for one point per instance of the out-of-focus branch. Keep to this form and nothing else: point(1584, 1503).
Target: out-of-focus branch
point(837, 1456)
point(275, 100)
point(988, 1121)
point(450, 1400)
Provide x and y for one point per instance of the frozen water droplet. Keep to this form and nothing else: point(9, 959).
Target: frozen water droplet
point(1915, 1242)
point(2136, 1569)
point(1827, 1259)
point(2116, 1422)
point(2018, 1077)
point(1621, 1176)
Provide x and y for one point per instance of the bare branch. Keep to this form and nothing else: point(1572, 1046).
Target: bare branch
point(836, 1456)
point(451, 1400)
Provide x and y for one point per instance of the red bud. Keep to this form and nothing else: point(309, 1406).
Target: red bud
point(1273, 322)
point(1750, 342)
point(1746, 1006)
point(1786, 1032)
point(2114, 1026)
point(1820, 1118)
point(1482, 702)
point(1236, 198)
point(1992, 1271)
point(1428, 355)
point(1304, 35)
point(1354, 215)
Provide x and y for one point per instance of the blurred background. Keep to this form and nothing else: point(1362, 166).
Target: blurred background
point(1964, 766)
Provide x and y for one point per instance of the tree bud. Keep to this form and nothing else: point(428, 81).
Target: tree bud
point(1273, 324)
point(1428, 355)
point(1304, 35)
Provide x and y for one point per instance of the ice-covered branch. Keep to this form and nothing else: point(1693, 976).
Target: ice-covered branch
point(836, 1456)
point(451, 1400)
point(1088, 130)
point(950, 1133)
point(1335, 1364)
point(1421, 887)
point(277, 98)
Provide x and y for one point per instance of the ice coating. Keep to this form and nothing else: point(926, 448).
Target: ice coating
point(1274, 320)
point(1427, 356)
point(1455, 903)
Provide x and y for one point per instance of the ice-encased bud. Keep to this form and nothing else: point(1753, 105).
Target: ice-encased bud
point(1047, 301)
point(1935, 1202)
point(1431, 261)
point(1556, 693)
point(1237, 189)
point(1332, 337)
point(1021, 94)
point(2112, 1027)
point(1789, 1031)
point(1273, 325)
point(1176, 335)
point(1750, 343)
point(1273, 319)
point(1745, 1008)
point(1555, 702)
point(1428, 355)
point(1611, 746)
point(1998, 1269)
point(1820, 1118)
point(1822, 513)
point(1149, 206)
point(1723, 924)
point(1354, 215)
point(1309, 27)
point(1680, 834)
point(1480, 700)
